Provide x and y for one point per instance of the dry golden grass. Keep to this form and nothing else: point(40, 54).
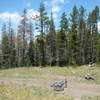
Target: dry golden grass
point(23, 93)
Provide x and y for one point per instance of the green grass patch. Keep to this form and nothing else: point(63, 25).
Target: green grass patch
point(42, 73)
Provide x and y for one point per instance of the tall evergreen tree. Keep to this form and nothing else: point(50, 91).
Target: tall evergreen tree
point(31, 49)
point(92, 25)
point(42, 28)
point(81, 36)
point(5, 47)
point(61, 41)
point(37, 52)
point(74, 29)
point(0, 55)
point(23, 30)
point(51, 43)
point(12, 51)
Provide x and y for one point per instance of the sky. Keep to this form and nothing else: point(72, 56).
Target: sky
point(14, 8)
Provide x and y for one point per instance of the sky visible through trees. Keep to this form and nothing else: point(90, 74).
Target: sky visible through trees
point(40, 40)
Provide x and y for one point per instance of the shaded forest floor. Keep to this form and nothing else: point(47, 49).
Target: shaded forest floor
point(33, 83)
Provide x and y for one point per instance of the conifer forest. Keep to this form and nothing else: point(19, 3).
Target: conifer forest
point(76, 41)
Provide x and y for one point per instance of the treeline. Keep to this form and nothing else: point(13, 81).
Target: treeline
point(76, 42)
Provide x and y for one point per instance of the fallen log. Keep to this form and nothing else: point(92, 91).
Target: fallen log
point(89, 77)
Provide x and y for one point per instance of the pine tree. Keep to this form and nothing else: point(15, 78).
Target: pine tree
point(81, 36)
point(5, 47)
point(23, 30)
point(31, 47)
point(51, 44)
point(12, 51)
point(94, 33)
point(61, 41)
point(37, 52)
point(42, 29)
point(92, 27)
point(0, 55)
point(74, 29)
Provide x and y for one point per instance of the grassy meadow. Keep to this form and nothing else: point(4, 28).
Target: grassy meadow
point(42, 73)
point(23, 93)
point(14, 92)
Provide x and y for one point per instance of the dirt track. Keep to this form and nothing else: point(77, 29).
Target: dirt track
point(75, 89)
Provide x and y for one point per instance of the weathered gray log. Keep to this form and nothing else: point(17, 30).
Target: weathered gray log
point(89, 77)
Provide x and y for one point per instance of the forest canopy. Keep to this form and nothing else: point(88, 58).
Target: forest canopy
point(75, 42)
